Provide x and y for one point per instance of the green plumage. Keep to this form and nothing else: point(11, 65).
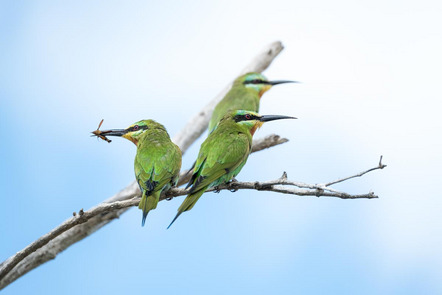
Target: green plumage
point(223, 154)
point(157, 165)
point(221, 157)
point(245, 94)
point(240, 97)
point(157, 162)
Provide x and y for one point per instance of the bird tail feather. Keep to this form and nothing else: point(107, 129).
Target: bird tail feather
point(188, 203)
point(148, 203)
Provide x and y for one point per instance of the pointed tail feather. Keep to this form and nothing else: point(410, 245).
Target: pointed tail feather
point(188, 204)
point(143, 220)
point(148, 203)
point(176, 216)
point(191, 200)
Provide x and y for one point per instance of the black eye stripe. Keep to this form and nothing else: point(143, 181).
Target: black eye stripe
point(246, 117)
point(256, 81)
point(136, 129)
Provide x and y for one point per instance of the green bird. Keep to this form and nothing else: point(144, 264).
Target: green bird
point(245, 94)
point(223, 154)
point(157, 162)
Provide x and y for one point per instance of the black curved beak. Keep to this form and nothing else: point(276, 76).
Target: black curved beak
point(112, 132)
point(267, 118)
point(281, 82)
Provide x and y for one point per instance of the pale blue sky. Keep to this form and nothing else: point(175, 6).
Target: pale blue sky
point(370, 78)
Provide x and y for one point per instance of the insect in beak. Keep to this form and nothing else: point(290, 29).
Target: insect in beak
point(99, 133)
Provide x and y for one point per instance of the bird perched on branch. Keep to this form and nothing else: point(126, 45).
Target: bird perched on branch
point(157, 162)
point(245, 94)
point(223, 154)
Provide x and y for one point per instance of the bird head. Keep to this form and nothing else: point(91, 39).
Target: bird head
point(133, 133)
point(252, 121)
point(258, 82)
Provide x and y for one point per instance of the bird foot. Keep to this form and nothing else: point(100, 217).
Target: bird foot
point(216, 189)
point(230, 183)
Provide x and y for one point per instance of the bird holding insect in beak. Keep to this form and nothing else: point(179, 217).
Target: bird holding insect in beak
point(223, 154)
point(245, 94)
point(157, 162)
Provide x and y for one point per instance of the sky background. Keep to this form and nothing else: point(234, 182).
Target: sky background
point(370, 73)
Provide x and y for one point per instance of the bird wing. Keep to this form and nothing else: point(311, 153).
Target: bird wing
point(157, 166)
point(219, 155)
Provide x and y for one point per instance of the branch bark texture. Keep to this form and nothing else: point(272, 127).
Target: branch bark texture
point(108, 211)
point(48, 246)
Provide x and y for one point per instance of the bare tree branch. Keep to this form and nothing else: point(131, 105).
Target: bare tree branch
point(108, 211)
point(47, 248)
point(380, 166)
point(64, 235)
point(281, 185)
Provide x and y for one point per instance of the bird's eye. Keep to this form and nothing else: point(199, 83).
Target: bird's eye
point(136, 127)
point(247, 117)
point(256, 81)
